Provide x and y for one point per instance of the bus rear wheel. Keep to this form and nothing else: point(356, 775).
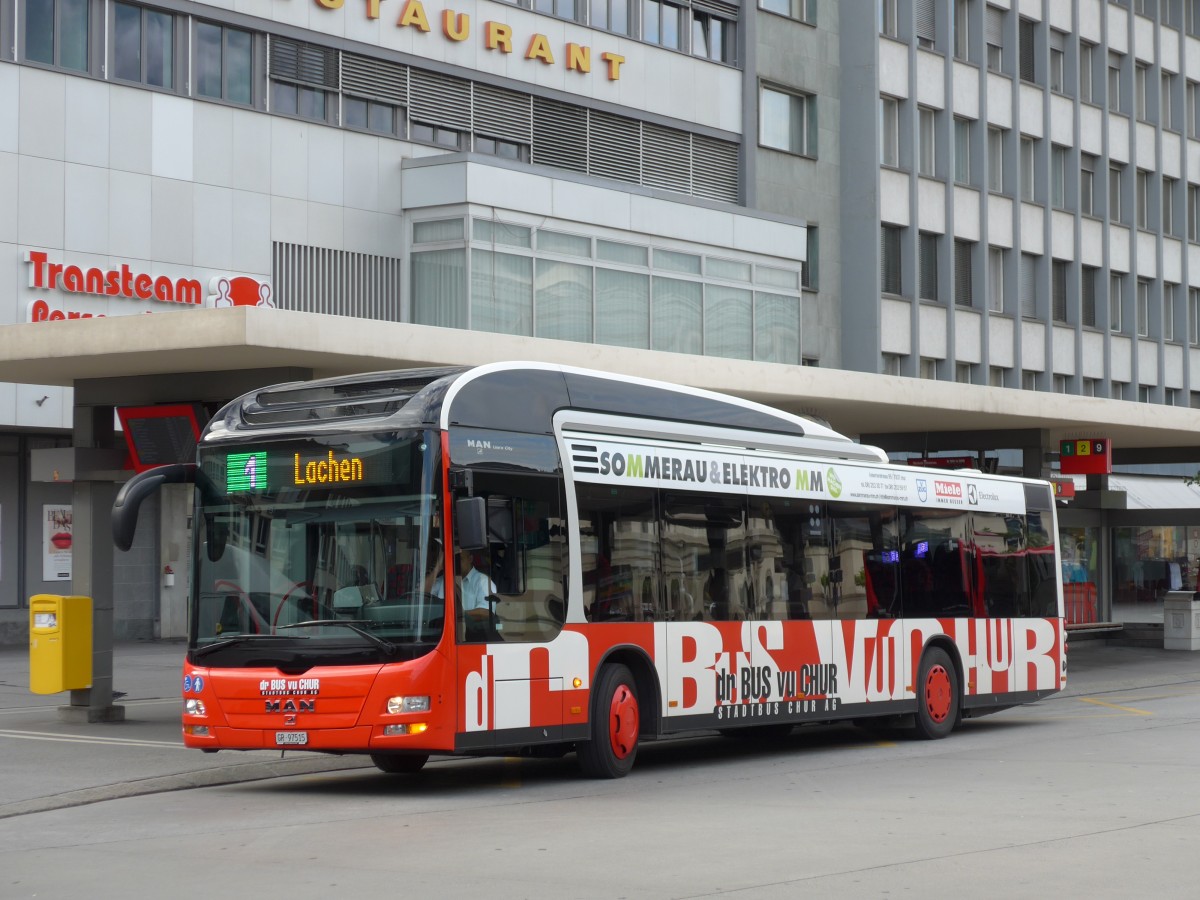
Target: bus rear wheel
point(939, 698)
point(400, 763)
point(615, 722)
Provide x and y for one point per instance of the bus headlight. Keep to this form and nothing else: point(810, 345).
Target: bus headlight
point(407, 705)
point(194, 707)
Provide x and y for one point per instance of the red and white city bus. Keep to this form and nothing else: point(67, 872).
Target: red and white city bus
point(624, 560)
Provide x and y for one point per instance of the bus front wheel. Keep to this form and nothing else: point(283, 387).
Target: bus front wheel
point(399, 763)
point(615, 722)
point(938, 695)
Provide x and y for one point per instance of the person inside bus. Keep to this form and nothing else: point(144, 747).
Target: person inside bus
point(473, 588)
point(358, 593)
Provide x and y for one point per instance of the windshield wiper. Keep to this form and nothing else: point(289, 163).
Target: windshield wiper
point(242, 638)
point(353, 625)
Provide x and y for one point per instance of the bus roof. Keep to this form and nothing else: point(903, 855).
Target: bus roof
point(506, 396)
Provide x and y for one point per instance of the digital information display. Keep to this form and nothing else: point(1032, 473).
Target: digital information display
point(312, 465)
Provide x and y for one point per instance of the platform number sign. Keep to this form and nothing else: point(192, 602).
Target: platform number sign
point(1085, 457)
point(246, 471)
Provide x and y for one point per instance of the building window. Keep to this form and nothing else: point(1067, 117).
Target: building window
point(810, 274)
point(1087, 387)
point(222, 63)
point(1193, 320)
point(962, 30)
point(1025, 44)
point(1058, 61)
point(1143, 198)
point(1028, 297)
point(301, 76)
point(962, 150)
point(995, 376)
point(800, 10)
point(964, 252)
point(503, 149)
point(887, 18)
point(1029, 380)
point(613, 15)
point(1115, 103)
point(56, 33)
point(1192, 19)
point(996, 279)
point(889, 259)
point(788, 121)
point(1193, 194)
point(1193, 107)
point(889, 131)
point(1087, 306)
point(1058, 290)
point(1058, 176)
point(926, 24)
point(1116, 298)
point(1168, 312)
point(1143, 307)
point(1087, 183)
point(927, 138)
point(890, 364)
point(994, 38)
point(928, 287)
point(928, 368)
point(714, 36)
point(1166, 109)
point(562, 9)
point(963, 373)
point(1141, 88)
point(1027, 168)
point(995, 159)
point(1087, 61)
point(1168, 205)
point(1114, 192)
point(143, 45)
point(662, 24)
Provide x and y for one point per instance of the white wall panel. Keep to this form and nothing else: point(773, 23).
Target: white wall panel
point(931, 80)
point(1121, 350)
point(87, 114)
point(1193, 252)
point(1146, 151)
point(1172, 264)
point(212, 227)
point(931, 337)
point(1060, 15)
point(1172, 155)
point(212, 151)
point(966, 90)
point(325, 165)
point(1031, 9)
point(1147, 352)
point(1091, 362)
point(1062, 235)
point(253, 148)
point(325, 226)
point(1062, 120)
point(360, 173)
point(1118, 138)
point(10, 109)
point(1001, 351)
point(893, 197)
point(966, 213)
point(172, 209)
point(289, 158)
point(1147, 255)
point(895, 322)
point(1000, 220)
point(931, 205)
point(14, 278)
point(251, 227)
point(129, 130)
point(1191, 57)
point(999, 100)
point(1033, 346)
point(1031, 100)
point(1143, 39)
point(1119, 247)
point(40, 201)
point(172, 137)
point(1192, 148)
point(130, 211)
point(9, 170)
point(1172, 365)
point(1091, 129)
point(41, 131)
point(1033, 238)
point(1091, 19)
point(1091, 242)
point(968, 336)
point(289, 220)
point(48, 414)
point(1063, 341)
point(1118, 28)
point(1169, 48)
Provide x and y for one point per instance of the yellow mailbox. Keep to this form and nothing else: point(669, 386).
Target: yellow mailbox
point(60, 643)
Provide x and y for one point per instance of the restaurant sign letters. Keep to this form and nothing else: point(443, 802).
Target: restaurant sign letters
point(121, 281)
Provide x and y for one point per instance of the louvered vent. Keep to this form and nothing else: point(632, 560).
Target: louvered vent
point(714, 169)
point(614, 147)
point(317, 279)
point(439, 100)
point(585, 458)
point(668, 158)
point(503, 114)
point(375, 78)
point(558, 135)
point(305, 63)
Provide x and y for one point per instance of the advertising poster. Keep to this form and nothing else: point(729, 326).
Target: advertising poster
point(56, 542)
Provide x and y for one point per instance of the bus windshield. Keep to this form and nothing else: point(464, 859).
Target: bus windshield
point(316, 551)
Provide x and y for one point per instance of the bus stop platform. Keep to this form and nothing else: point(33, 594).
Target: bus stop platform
point(52, 764)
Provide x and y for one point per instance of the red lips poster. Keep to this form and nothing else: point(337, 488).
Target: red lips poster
point(56, 543)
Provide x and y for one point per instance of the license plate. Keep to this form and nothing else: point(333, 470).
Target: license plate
point(291, 737)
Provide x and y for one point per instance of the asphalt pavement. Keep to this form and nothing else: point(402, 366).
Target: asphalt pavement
point(52, 764)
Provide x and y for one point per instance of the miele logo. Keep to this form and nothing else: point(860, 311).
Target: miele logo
point(950, 489)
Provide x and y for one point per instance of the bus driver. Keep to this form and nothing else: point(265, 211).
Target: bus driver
point(472, 585)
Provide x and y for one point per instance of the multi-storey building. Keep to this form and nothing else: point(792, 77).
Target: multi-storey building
point(997, 193)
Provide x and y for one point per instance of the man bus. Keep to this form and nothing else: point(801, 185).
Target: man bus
point(652, 560)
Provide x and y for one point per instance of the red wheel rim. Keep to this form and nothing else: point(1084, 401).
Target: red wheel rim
point(623, 721)
point(937, 693)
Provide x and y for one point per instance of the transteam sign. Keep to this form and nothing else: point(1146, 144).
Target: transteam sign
point(67, 290)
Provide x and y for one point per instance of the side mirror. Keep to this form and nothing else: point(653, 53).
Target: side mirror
point(138, 488)
point(470, 516)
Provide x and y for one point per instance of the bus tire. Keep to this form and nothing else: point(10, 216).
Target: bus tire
point(400, 763)
point(615, 721)
point(939, 697)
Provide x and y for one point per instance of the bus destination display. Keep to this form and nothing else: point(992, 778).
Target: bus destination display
point(311, 466)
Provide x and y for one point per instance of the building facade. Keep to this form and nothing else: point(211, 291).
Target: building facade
point(998, 193)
